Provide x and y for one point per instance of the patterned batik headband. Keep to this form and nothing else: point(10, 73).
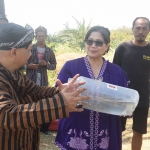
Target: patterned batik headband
point(19, 42)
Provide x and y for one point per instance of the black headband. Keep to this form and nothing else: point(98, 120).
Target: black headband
point(15, 36)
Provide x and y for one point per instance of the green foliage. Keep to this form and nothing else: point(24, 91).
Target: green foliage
point(120, 35)
point(75, 37)
point(52, 76)
point(62, 48)
point(53, 40)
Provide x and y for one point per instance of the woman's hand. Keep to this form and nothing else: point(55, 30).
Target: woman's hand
point(73, 95)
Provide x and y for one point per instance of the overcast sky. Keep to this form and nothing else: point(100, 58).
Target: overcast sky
point(53, 14)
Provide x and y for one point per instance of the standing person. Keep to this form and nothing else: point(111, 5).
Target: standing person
point(134, 58)
point(42, 59)
point(90, 129)
point(24, 106)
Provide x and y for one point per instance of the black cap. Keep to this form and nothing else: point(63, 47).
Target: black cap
point(11, 32)
point(14, 35)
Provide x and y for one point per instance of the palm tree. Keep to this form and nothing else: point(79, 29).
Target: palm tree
point(75, 37)
point(53, 38)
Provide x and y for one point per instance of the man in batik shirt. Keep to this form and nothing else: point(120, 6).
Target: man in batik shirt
point(24, 106)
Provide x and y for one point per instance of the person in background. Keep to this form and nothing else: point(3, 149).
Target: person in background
point(24, 105)
point(134, 58)
point(41, 60)
point(90, 129)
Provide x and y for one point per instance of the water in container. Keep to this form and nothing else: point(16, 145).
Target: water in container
point(109, 98)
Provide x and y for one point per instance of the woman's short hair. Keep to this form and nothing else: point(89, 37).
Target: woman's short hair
point(104, 31)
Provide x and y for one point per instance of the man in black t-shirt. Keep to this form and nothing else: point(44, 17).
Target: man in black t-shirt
point(134, 58)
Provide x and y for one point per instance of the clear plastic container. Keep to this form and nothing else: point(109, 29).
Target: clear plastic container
point(109, 98)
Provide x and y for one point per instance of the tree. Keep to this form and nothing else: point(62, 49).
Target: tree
point(53, 40)
point(120, 35)
point(75, 37)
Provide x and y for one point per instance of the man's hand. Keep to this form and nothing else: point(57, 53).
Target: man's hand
point(73, 98)
point(73, 95)
point(43, 63)
point(33, 66)
point(71, 84)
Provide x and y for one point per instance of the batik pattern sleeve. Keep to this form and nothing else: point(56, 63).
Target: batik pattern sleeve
point(38, 92)
point(18, 111)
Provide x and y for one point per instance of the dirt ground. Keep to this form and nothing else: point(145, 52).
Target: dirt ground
point(47, 141)
point(128, 134)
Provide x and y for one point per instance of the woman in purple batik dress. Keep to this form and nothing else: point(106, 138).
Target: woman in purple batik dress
point(91, 130)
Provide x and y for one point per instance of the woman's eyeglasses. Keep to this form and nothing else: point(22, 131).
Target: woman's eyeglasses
point(97, 43)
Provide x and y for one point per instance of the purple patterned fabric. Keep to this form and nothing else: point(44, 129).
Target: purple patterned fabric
point(90, 130)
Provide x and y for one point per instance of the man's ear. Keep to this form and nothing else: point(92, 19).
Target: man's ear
point(13, 52)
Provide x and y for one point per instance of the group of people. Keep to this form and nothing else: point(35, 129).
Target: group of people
point(28, 105)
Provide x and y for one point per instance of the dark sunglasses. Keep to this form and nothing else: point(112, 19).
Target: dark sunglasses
point(97, 43)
